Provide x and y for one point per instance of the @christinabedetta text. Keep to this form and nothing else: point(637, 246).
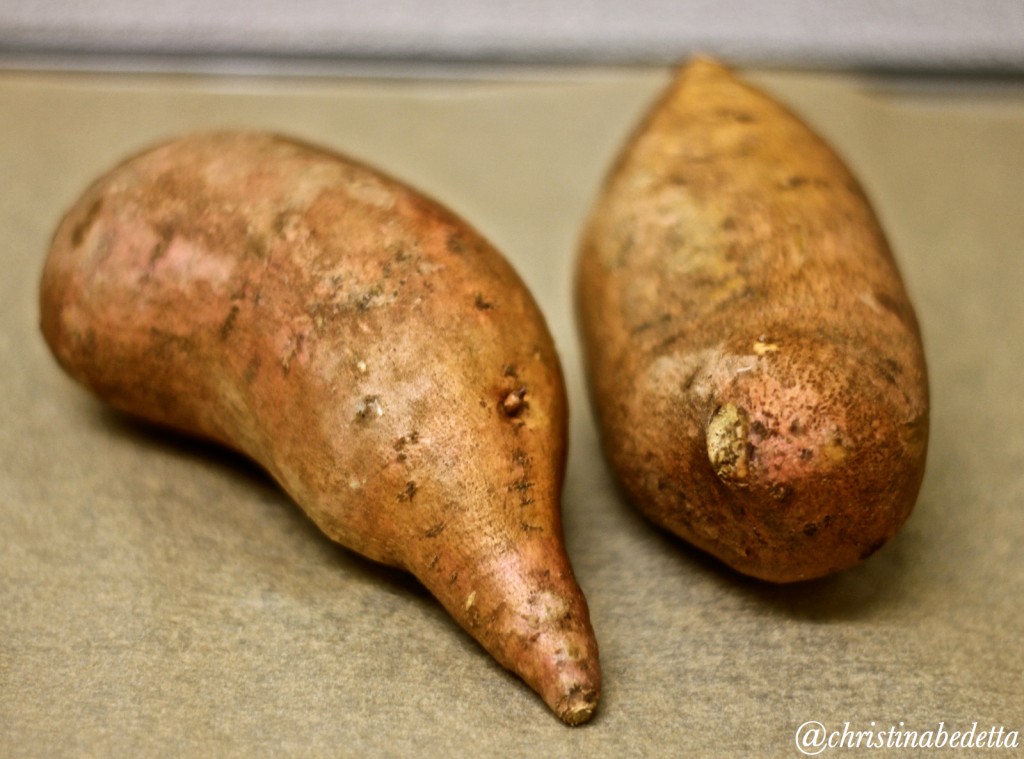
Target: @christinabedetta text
point(813, 737)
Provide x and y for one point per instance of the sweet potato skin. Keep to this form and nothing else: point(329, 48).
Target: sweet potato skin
point(755, 363)
point(370, 349)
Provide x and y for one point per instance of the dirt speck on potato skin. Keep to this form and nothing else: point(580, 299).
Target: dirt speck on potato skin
point(355, 338)
point(754, 360)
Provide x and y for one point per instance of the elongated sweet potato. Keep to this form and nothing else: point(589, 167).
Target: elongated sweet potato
point(377, 356)
point(754, 361)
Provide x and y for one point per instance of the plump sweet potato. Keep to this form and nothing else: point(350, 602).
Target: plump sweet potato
point(754, 361)
point(377, 356)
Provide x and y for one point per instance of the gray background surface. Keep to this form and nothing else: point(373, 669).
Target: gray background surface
point(275, 34)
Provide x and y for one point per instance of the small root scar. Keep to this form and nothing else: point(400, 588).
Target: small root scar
point(369, 408)
point(514, 403)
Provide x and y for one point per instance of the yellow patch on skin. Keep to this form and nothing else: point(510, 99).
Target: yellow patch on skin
point(834, 451)
point(727, 443)
point(761, 348)
point(470, 600)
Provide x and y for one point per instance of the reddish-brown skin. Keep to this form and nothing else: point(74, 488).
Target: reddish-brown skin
point(755, 363)
point(372, 351)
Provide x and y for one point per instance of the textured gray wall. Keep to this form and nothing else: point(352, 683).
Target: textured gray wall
point(904, 34)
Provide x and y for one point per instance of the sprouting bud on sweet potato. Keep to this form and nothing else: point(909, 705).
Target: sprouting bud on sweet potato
point(368, 348)
point(754, 360)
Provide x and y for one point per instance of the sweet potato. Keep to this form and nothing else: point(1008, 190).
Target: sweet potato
point(754, 361)
point(367, 347)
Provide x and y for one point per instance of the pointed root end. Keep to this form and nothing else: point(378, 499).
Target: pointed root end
point(578, 706)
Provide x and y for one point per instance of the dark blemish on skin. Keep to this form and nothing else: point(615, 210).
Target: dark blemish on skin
point(806, 454)
point(872, 548)
point(453, 578)
point(255, 247)
point(408, 492)
point(688, 382)
point(280, 222)
point(741, 117)
point(510, 371)
point(810, 529)
point(434, 531)
point(456, 244)
point(795, 428)
point(913, 432)
point(366, 299)
point(166, 235)
point(411, 439)
point(251, 371)
point(644, 326)
point(729, 223)
point(758, 428)
point(81, 229)
point(530, 527)
point(480, 304)
point(229, 323)
point(795, 182)
point(521, 485)
point(667, 342)
point(889, 369)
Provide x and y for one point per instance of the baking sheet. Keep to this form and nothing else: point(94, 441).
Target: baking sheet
point(160, 597)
